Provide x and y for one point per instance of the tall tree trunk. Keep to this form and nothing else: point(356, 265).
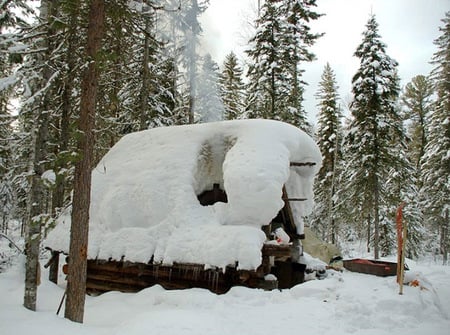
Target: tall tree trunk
point(445, 238)
point(67, 102)
point(35, 208)
point(37, 196)
point(369, 233)
point(192, 91)
point(76, 280)
point(376, 233)
point(145, 89)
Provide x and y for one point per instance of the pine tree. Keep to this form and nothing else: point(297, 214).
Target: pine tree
point(12, 23)
point(329, 135)
point(277, 50)
point(265, 65)
point(76, 280)
point(6, 187)
point(209, 103)
point(297, 40)
point(192, 30)
point(232, 88)
point(40, 77)
point(417, 100)
point(373, 130)
point(436, 160)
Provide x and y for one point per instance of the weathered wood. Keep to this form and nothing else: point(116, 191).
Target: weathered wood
point(53, 263)
point(136, 276)
point(294, 199)
point(76, 280)
point(302, 164)
point(290, 227)
point(278, 250)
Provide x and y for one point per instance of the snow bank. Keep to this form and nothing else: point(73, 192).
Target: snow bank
point(341, 304)
point(144, 192)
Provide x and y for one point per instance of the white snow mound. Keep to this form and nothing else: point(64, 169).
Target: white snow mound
point(144, 193)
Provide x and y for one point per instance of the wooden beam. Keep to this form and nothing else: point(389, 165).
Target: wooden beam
point(302, 163)
point(294, 199)
point(277, 250)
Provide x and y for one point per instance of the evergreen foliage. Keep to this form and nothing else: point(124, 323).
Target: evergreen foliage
point(373, 129)
point(232, 88)
point(210, 107)
point(329, 136)
point(277, 50)
point(152, 75)
point(436, 160)
point(417, 101)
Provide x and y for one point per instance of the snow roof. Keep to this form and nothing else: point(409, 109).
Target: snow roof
point(144, 193)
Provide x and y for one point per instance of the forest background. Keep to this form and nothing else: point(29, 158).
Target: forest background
point(384, 146)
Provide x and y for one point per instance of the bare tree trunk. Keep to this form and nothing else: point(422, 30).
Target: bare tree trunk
point(376, 233)
point(76, 281)
point(36, 197)
point(368, 233)
point(145, 90)
point(67, 102)
point(445, 238)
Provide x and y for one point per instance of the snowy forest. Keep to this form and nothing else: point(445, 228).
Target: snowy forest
point(76, 76)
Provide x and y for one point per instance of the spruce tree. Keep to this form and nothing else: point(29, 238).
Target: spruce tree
point(265, 63)
point(329, 135)
point(436, 160)
point(277, 50)
point(297, 39)
point(209, 103)
point(416, 98)
point(417, 101)
point(232, 88)
point(373, 130)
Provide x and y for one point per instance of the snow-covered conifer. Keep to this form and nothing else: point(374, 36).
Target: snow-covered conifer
point(372, 133)
point(329, 136)
point(436, 160)
point(232, 87)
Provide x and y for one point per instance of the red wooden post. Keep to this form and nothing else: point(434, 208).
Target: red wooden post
point(401, 236)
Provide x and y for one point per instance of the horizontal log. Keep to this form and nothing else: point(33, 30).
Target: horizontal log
point(278, 250)
point(294, 199)
point(125, 276)
point(302, 163)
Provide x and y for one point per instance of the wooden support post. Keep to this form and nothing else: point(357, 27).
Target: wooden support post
point(401, 242)
point(54, 265)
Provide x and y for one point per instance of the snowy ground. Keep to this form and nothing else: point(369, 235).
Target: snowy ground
point(343, 303)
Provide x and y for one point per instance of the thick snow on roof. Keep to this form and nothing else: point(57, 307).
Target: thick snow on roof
point(144, 192)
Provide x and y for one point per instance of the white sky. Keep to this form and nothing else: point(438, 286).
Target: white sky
point(407, 27)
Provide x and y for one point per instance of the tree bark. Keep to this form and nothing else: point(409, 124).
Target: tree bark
point(36, 196)
point(376, 231)
point(76, 281)
point(145, 90)
point(67, 103)
point(445, 238)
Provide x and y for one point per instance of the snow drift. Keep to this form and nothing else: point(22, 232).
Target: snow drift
point(144, 193)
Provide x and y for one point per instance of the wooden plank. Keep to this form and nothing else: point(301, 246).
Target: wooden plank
point(294, 199)
point(290, 227)
point(302, 164)
point(277, 250)
point(53, 263)
point(107, 275)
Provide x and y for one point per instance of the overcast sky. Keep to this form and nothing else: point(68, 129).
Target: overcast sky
point(407, 27)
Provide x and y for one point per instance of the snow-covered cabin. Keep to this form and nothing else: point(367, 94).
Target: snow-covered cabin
point(202, 199)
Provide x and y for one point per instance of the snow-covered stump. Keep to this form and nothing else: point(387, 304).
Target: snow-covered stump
point(202, 195)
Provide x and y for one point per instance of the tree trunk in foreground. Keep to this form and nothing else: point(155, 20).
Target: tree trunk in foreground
point(36, 197)
point(76, 280)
